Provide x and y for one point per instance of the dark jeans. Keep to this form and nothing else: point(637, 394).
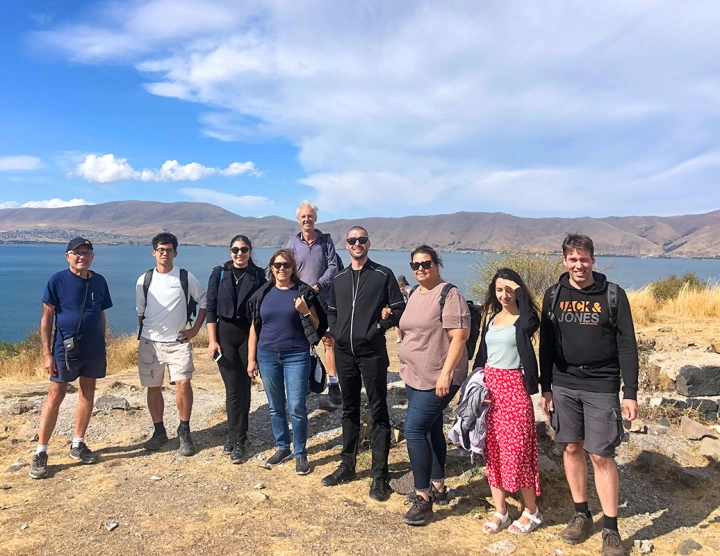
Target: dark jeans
point(233, 340)
point(352, 373)
point(424, 434)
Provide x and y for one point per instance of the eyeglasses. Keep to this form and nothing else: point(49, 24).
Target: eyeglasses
point(353, 240)
point(236, 250)
point(81, 253)
point(163, 250)
point(416, 266)
point(278, 266)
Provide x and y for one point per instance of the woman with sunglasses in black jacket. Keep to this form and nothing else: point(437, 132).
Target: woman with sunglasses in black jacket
point(229, 288)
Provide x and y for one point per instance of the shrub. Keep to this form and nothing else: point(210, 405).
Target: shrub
point(671, 286)
point(539, 270)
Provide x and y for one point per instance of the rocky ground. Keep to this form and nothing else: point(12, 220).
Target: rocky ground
point(135, 502)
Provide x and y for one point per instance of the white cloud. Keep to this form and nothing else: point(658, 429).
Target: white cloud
point(19, 163)
point(447, 102)
point(49, 203)
point(109, 169)
point(229, 201)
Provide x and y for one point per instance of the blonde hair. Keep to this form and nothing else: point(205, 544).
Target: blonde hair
point(309, 205)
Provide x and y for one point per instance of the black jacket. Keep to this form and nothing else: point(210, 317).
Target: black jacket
point(221, 299)
point(525, 326)
point(314, 335)
point(357, 299)
point(592, 352)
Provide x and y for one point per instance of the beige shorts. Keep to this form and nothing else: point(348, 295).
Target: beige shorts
point(154, 356)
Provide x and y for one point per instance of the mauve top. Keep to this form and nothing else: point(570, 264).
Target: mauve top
point(425, 342)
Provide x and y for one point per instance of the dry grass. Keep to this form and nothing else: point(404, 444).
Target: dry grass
point(690, 304)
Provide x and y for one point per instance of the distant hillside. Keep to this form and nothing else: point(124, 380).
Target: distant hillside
point(205, 224)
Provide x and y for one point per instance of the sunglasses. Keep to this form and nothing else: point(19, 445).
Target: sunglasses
point(278, 266)
point(236, 250)
point(353, 240)
point(416, 266)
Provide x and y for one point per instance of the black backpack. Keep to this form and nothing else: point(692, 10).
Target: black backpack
point(190, 302)
point(612, 296)
point(475, 318)
point(338, 260)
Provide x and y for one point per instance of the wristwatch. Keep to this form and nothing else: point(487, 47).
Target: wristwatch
point(306, 316)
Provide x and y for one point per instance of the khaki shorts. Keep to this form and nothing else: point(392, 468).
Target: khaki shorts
point(154, 356)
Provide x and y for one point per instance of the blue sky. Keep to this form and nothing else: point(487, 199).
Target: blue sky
point(366, 108)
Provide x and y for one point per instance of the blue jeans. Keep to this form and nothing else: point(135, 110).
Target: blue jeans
point(281, 372)
point(424, 434)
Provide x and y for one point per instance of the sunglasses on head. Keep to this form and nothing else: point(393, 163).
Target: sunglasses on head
point(416, 266)
point(236, 250)
point(353, 240)
point(278, 266)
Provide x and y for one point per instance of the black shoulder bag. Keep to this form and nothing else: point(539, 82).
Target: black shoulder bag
point(72, 343)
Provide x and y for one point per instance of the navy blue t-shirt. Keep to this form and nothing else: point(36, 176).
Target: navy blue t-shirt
point(65, 292)
point(282, 329)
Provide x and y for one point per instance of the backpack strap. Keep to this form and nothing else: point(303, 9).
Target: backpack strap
point(443, 294)
point(416, 286)
point(146, 287)
point(186, 290)
point(554, 299)
point(613, 294)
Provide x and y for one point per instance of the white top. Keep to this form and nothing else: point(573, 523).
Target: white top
point(166, 311)
point(502, 352)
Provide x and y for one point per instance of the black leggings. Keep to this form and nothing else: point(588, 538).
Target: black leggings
point(233, 340)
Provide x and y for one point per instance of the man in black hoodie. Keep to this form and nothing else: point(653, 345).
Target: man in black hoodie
point(357, 298)
point(587, 341)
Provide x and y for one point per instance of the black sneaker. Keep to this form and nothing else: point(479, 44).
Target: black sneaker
point(342, 474)
point(302, 465)
point(84, 454)
point(334, 393)
point(440, 498)
point(228, 447)
point(380, 489)
point(278, 458)
point(578, 529)
point(156, 442)
point(38, 467)
point(187, 448)
point(238, 453)
point(420, 513)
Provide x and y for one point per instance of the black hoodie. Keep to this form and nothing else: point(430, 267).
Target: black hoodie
point(593, 352)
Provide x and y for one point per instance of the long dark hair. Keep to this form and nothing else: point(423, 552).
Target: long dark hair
point(290, 256)
point(246, 240)
point(491, 306)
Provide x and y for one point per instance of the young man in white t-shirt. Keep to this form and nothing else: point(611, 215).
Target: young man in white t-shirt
point(165, 340)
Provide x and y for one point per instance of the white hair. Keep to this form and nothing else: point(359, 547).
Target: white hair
point(307, 204)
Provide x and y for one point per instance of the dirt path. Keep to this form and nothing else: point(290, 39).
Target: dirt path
point(204, 504)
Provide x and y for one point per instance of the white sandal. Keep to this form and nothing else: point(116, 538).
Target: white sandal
point(535, 521)
point(493, 528)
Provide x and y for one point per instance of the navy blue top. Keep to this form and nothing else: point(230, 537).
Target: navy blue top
point(282, 330)
point(65, 292)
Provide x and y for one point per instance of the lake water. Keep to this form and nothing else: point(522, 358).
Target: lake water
point(25, 269)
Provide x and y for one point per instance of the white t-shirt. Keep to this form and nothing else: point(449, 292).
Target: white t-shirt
point(166, 311)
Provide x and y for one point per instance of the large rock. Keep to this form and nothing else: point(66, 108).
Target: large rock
point(112, 402)
point(694, 430)
point(707, 408)
point(698, 381)
point(710, 447)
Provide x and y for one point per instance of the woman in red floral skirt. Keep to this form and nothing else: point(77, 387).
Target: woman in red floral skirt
point(511, 376)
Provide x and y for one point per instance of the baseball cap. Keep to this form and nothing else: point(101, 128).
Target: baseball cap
point(77, 242)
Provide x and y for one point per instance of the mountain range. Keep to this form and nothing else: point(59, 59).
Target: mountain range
point(688, 236)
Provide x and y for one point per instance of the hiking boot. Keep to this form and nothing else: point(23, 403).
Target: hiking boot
point(228, 447)
point(420, 513)
point(380, 489)
point(187, 448)
point(84, 454)
point(334, 393)
point(342, 474)
point(578, 529)
point(156, 442)
point(278, 458)
point(611, 543)
point(38, 467)
point(440, 498)
point(302, 465)
point(238, 453)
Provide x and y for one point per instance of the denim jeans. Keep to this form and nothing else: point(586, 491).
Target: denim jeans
point(281, 373)
point(424, 434)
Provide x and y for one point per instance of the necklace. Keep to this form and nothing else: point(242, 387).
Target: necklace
point(237, 280)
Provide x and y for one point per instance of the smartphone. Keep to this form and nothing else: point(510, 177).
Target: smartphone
point(217, 355)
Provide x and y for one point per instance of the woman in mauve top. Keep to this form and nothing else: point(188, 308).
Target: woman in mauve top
point(433, 365)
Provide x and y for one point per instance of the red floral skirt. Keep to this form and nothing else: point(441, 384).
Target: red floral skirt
point(511, 449)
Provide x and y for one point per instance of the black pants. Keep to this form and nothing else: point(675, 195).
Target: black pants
point(233, 340)
point(352, 373)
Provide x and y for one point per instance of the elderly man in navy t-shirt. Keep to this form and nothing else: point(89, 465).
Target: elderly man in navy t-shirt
point(75, 299)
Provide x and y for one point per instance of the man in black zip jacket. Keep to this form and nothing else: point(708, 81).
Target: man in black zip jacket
point(587, 341)
point(359, 294)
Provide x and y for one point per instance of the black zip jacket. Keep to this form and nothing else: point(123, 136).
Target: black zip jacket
point(221, 299)
point(593, 352)
point(357, 299)
point(313, 335)
point(525, 326)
